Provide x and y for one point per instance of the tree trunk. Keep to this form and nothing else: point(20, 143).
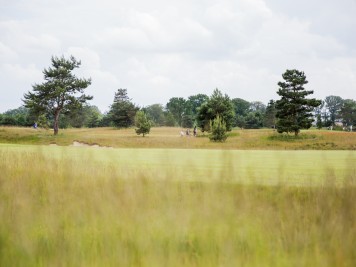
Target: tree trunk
point(56, 121)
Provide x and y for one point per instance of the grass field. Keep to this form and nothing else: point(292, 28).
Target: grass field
point(162, 206)
point(166, 137)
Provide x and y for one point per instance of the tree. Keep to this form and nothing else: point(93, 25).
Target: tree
point(59, 92)
point(241, 108)
point(293, 109)
point(333, 104)
point(257, 106)
point(155, 113)
point(42, 121)
point(218, 130)
point(169, 119)
point(93, 117)
point(218, 104)
point(20, 117)
point(195, 101)
point(319, 122)
point(254, 120)
point(122, 111)
point(187, 119)
point(176, 106)
point(270, 115)
point(81, 116)
point(142, 123)
point(348, 112)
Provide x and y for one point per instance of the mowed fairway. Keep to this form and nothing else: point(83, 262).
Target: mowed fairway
point(161, 206)
point(302, 168)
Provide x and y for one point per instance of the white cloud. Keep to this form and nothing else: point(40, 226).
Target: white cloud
point(159, 49)
point(6, 53)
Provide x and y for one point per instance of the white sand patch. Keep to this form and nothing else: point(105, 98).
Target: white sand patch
point(81, 144)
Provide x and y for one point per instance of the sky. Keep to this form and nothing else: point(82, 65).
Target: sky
point(160, 49)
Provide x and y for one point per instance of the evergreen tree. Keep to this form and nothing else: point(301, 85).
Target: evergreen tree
point(254, 120)
point(59, 92)
point(270, 115)
point(142, 123)
point(218, 130)
point(218, 104)
point(122, 111)
point(293, 109)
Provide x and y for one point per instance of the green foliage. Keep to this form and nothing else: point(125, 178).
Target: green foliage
point(257, 106)
point(17, 117)
point(187, 120)
point(254, 120)
point(241, 106)
point(240, 121)
point(122, 111)
point(93, 117)
point(319, 122)
point(293, 109)
point(42, 122)
point(61, 91)
point(142, 123)
point(270, 115)
point(194, 102)
point(156, 114)
point(333, 105)
point(84, 116)
point(169, 118)
point(348, 112)
point(176, 106)
point(217, 105)
point(218, 130)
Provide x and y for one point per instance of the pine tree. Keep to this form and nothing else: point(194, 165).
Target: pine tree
point(217, 104)
point(270, 115)
point(218, 130)
point(294, 111)
point(122, 111)
point(142, 123)
point(59, 92)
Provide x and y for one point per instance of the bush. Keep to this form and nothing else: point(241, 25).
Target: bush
point(218, 130)
point(142, 123)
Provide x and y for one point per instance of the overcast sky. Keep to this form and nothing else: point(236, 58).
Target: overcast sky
point(159, 49)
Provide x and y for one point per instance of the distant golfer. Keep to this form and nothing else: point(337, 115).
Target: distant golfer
point(195, 131)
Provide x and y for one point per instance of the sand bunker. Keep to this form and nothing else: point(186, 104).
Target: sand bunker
point(81, 144)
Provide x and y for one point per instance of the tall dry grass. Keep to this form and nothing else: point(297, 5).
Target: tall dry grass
point(76, 211)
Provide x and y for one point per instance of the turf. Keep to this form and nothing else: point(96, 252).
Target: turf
point(265, 167)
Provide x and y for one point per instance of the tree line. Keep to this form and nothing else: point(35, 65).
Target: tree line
point(60, 102)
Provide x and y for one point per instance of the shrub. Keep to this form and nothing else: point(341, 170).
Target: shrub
point(218, 130)
point(142, 123)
